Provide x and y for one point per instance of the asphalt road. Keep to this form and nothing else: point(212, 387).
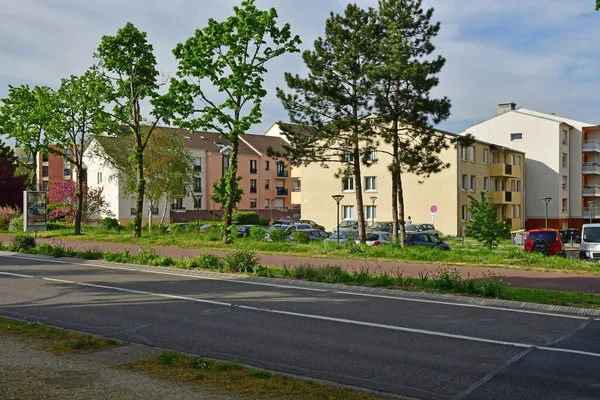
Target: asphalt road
point(419, 349)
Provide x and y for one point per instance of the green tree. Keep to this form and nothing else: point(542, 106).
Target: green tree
point(128, 61)
point(24, 116)
point(331, 103)
point(231, 56)
point(597, 5)
point(485, 225)
point(79, 116)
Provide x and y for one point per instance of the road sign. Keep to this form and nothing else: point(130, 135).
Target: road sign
point(433, 209)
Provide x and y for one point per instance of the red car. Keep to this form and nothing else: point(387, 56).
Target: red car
point(544, 241)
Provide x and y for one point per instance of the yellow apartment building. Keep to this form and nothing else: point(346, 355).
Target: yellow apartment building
point(481, 167)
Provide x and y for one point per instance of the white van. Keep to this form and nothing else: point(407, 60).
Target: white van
point(590, 242)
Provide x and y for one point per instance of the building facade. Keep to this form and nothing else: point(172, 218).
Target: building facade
point(557, 163)
point(50, 167)
point(481, 167)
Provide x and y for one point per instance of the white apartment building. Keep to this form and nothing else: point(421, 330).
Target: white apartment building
point(556, 149)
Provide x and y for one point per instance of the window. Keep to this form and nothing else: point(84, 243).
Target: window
point(370, 155)
point(197, 164)
point(370, 183)
point(252, 203)
point(266, 165)
point(486, 184)
point(564, 183)
point(197, 185)
point(155, 210)
point(473, 183)
point(348, 212)
point(463, 153)
point(464, 182)
point(253, 166)
point(99, 177)
point(348, 184)
point(518, 211)
point(464, 213)
point(496, 185)
point(225, 165)
point(197, 203)
point(512, 211)
point(45, 171)
point(266, 183)
point(266, 203)
point(495, 157)
point(518, 160)
point(518, 186)
point(512, 185)
point(565, 205)
point(44, 157)
point(516, 136)
point(68, 153)
point(565, 137)
point(177, 204)
point(564, 160)
point(486, 156)
point(252, 185)
point(280, 167)
point(512, 159)
point(67, 169)
point(347, 156)
point(45, 186)
point(472, 153)
point(370, 213)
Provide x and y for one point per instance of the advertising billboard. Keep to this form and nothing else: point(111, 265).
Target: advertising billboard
point(35, 210)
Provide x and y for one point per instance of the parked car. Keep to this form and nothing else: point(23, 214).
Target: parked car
point(244, 230)
point(204, 228)
point(312, 223)
point(422, 228)
point(346, 226)
point(376, 238)
point(316, 234)
point(590, 242)
point(182, 226)
point(345, 236)
point(546, 241)
point(289, 229)
point(426, 239)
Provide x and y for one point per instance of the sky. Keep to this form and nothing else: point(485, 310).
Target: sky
point(540, 54)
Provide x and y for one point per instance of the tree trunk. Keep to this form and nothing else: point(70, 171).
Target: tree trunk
point(231, 185)
point(79, 197)
point(34, 185)
point(150, 216)
point(141, 187)
point(395, 169)
point(362, 235)
point(401, 210)
point(162, 218)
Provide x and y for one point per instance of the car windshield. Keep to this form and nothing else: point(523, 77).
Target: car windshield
point(544, 235)
point(347, 224)
point(412, 228)
point(372, 236)
point(381, 226)
point(342, 235)
point(591, 234)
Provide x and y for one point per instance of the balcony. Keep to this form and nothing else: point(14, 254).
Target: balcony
point(296, 197)
point(505, 170)
point(591, 190)
point(591, 168)
point(282, 173)
point(282, 192)
point(591, 145)
point(504, 198)
point(594, 212)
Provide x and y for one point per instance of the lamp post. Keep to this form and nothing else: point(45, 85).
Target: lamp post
point(338, 198)
point(373, 198)
point(272, 201)
point(591, 204)
point(198, 198)
point(546, 200)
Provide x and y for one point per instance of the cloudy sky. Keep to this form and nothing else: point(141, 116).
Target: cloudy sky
point(541, 54)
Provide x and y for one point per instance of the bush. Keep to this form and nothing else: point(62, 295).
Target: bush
point(176, 228)
point(278, 235)
point(56, 213)
point(213, 234)
point(22, 242)
point(120, 257)
point(60, 250)
point(257, 233)
point(93, 253)
point(241, 261)
point(204, 261)
point(148, 256)
point(16, 224)
point(245, 218)
point(111, 224)
point(301, 237)
point(7, 214)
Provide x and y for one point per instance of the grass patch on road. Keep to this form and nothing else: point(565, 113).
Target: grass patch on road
point(233, 379)
point(55, 340)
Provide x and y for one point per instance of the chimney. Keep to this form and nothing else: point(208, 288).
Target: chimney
point(506, 107)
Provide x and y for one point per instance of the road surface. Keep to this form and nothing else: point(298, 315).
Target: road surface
point(416, 348)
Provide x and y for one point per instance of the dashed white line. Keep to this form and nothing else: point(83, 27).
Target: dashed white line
point(18, 275)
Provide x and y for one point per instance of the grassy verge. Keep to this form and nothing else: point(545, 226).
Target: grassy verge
point(444, 280)
point(232, 378)
point(55, 340)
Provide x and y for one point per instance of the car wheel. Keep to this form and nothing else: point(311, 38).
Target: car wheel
point(540, 246)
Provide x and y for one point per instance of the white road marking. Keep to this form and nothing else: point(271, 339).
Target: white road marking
point(449, 303)
point(333, 319)
point(19, 275)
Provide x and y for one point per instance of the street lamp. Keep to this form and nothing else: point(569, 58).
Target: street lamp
point(546, 200)
point(272, 201)
point(198, 199)
point(338, 198)
point(373, 198)
point(591, 204)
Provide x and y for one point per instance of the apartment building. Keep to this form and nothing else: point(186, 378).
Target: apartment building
point(50, 167)
point(481, 167)
point(265, 181)
point(561, 153)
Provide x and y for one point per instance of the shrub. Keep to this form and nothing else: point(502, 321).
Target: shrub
point(148, 256)
point(301, 237)
point(111, 224)
point(213, 234)
point(22, 242)
point(120, 257)
point(176, 228)
point(204, 261)
point(93, 253)
point(257, 233)
point(241, 261)
point(56, 213)
point(278, 235)
point(7, 214)
point(16, 224)
point(245, 218)
point(60, 250)
point(44, 249)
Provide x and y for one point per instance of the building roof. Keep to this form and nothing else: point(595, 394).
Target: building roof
point(261, 143)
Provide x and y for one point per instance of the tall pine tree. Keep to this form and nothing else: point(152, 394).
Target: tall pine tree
point(334, 99)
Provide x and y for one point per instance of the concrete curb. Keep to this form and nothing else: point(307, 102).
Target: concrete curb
point(394, 293)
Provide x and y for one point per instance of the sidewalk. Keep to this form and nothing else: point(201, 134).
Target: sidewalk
point(530, 279)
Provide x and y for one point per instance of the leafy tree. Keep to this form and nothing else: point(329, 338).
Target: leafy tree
point(331, 103)
point(11, 194)
point(485, 225)
point(128, 61)
point(79, 116)
point(231, 56)
point(66, 193)
point(9, 157)
point(597, 5)
point(25, 115)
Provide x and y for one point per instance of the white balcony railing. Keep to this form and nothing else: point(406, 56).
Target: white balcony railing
point(595, 212)
point(591, 190)
point(590, 168)
point(591, 145)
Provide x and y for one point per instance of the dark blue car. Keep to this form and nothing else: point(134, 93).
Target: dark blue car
point(426, 239)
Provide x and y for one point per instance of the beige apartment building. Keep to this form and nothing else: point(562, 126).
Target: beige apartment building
point(481, 167)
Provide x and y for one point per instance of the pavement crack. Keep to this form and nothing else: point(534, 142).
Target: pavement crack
point(568, 335)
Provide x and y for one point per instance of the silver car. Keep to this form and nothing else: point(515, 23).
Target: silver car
point(423, 228)
point(376, 238)
point(346, 226)
point(289, 229)
point(344, 235)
